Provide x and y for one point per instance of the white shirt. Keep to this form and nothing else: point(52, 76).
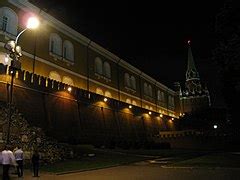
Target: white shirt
point(18, 154)
point(7, 157)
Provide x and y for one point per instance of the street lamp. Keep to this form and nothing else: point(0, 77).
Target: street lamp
point(15, 52)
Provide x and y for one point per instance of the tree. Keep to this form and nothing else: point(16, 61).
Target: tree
point(227, 56)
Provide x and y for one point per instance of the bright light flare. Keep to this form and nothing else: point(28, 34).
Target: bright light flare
point(69, 89)
point(32, 23)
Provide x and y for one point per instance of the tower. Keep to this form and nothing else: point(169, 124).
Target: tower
point(194, 95)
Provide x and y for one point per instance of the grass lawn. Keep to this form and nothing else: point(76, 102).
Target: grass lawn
point(100, 160)
point(107, 158)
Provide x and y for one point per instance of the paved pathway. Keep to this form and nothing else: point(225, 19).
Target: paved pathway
point(143, 172)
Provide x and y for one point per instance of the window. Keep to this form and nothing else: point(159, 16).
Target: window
point(171, 100)
point(102, 68)
point(4, 23)
point(106, 70)
point(55, 45)
point(129, 81)
point(68, 80)
point(126, 80)
point(150, 90)
point(8, 20)
point(55, 76)
point(159, 95)
point(133, 82)
point(162, 97)
point(57, 48)
point(68, 50)
point(98, 65)
point(145, 89)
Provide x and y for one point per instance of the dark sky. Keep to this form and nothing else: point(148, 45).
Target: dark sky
point(150, 35)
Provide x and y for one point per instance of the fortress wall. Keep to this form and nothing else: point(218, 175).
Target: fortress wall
point(77, 116)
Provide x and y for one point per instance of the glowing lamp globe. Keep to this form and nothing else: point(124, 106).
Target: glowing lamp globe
point(32, 23)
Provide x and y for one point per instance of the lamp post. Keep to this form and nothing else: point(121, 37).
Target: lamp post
point(15, 53)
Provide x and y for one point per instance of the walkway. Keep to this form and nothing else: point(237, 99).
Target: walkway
point(143, 172)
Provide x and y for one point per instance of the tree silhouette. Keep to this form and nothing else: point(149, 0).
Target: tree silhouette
point(227, 56)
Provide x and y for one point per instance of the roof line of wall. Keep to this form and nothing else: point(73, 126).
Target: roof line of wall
point(26, 5)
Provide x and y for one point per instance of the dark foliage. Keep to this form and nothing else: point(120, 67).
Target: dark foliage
point(227, 56)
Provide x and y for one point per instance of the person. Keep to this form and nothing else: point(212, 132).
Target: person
point(35, 163)
point(19, 159)
point(8, 159)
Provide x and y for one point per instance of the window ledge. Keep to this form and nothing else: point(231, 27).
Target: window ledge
point(55, 56)
point(130, 90)
point(148, 97)
point(69, 62)
point(99, 76)
point(7, 35)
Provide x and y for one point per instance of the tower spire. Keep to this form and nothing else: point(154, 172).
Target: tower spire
point(191, 69)
point(194, 96)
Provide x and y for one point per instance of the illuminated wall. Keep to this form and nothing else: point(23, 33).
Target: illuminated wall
point(108, 73)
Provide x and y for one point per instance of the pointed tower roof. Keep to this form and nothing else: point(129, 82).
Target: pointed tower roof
point(192, 72)
point(191, 64)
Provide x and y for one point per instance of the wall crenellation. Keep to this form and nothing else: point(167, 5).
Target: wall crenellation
point(79, 115)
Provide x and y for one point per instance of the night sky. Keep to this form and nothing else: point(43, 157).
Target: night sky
point(151, 36)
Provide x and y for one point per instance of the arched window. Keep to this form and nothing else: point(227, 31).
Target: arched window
point(99, 91)
point(128, 101)
point(150, 90)
point(106, 70)
point(171, 100)
point(98, 65)
point(68, 80)
point(162, 97)
point(126, 80)
point(133, 82)
point(159, 95)
point(145, 89)
point(151, 108)
point(8, 20)
point(108, 94)
point(55, 76)
point(68, 50)
point(55, 44)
